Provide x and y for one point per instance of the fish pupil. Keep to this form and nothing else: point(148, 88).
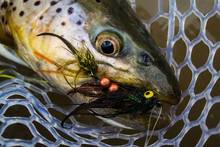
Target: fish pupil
point(107, 47)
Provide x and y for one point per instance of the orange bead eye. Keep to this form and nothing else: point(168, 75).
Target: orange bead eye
point(113, 87)
point(105, 82)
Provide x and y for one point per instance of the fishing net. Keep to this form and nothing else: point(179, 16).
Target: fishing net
point(30, 113)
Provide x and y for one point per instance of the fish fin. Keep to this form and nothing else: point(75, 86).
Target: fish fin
point(10, 54)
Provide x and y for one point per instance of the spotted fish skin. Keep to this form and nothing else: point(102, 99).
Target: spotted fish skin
point(139, 64)
point(25, 19)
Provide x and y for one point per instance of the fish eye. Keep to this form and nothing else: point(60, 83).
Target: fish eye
point(148, 94)
point(109, 44)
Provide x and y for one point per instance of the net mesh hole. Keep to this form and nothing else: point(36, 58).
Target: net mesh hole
point(182, 6)
point(212, 141)
point(203, 81)
point(200, 54)
point(197, 109)
point(212, 29)
point(192, 26)
point(215, 90)
point(174, 130)
point(17, 111)
point(179, 51)
point(185, 77)
point(213, 117)
point(216, 61)
point(204, 6)
point(65, 136)
point(115, 141)
point(44, 131)
point(192, 133)
point(17, 131)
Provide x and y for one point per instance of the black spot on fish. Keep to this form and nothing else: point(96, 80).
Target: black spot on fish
point(25, 1)
point(21, 13)
point(70, 10)
point(52, 3)
point(58, 10)
point(37, 3)
point(41, 17)
point(63, 23)
point(11, 3)
point(14, 9)
point(79, 22)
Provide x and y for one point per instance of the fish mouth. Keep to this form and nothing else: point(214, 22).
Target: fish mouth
point(125, 96)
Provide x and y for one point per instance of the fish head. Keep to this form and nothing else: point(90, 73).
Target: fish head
point(125, 52)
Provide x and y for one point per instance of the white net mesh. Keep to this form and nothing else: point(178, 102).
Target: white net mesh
point(29, 114)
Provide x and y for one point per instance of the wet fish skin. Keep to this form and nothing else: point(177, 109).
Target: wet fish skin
point(80, 22)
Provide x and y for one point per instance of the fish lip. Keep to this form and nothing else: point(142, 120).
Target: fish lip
point(171, 99)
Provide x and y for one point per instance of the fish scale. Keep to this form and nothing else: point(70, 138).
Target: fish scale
point(45, 16)
point(29, 18)
point(65, 42)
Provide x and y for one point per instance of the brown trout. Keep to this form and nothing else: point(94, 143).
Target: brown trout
point(96, 51)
